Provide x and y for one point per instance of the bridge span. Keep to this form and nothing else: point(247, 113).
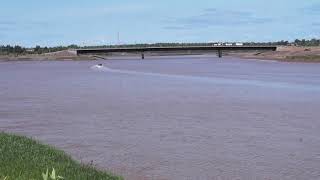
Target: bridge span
point(142, 50)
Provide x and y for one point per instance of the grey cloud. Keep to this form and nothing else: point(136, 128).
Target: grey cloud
point(316, 24)
point(213, 17)
point(174, 27)
point(7, 22)
point(313, 9)
point(9, 25)
point(5, 28)
point(234, 13)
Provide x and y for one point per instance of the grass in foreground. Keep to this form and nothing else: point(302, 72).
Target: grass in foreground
point(22, 158)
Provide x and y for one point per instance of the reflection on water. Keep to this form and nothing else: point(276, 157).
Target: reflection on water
point(171, 118)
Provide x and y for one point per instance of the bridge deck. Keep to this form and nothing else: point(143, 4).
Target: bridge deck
point(219, 49)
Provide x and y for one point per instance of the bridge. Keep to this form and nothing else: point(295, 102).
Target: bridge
point(142, 50)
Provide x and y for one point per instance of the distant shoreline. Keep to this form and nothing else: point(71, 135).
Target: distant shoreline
point(283, 54)
point(286, 54)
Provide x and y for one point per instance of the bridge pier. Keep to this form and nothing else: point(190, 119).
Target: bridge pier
point(220, 53)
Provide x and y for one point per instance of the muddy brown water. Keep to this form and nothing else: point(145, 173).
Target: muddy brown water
point(171, 118)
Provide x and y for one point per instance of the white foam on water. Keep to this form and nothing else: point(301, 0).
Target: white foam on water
point(99, 68)
point(217, 80)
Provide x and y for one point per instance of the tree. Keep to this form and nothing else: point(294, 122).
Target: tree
point(37, 49)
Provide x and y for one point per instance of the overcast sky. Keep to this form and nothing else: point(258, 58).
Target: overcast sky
point(84, 22)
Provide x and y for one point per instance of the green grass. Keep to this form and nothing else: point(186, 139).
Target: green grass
point(22, 158)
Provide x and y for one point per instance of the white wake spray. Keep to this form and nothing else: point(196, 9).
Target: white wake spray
point(216, 80)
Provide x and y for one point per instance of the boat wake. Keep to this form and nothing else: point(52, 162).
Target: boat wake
point(216, 80)
point(100, 67)
point(107, 69)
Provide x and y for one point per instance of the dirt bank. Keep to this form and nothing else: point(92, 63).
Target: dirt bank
point(286, 53)
point(59, 55)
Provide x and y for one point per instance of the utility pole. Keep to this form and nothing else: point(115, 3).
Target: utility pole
point(118, 37)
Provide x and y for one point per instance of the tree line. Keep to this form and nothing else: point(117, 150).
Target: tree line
point(19, 50)
point(297, 42)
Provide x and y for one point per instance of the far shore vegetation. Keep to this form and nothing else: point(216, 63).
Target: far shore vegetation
point(16, 50)
point(22, 158)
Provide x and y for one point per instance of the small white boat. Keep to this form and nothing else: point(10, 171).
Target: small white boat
point(99, 66)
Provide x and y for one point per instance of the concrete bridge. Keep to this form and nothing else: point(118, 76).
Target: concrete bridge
point(142, 50)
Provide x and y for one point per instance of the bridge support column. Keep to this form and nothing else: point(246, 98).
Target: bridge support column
point(142, 55)
point(220, 53)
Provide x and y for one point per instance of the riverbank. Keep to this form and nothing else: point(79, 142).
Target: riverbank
point(24, 158)
point(285, 54)
point(59, 55)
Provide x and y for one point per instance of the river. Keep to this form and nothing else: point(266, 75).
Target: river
point(196, 117)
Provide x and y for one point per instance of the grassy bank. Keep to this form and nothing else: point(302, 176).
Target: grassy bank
point(22, 158)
